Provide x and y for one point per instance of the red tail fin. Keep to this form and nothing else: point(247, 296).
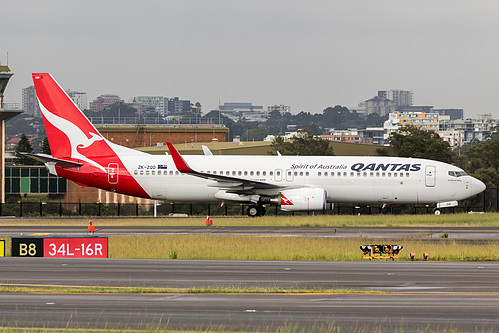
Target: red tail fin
point(70, 133)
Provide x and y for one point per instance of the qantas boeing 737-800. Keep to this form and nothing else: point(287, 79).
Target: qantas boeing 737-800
point(295, 183)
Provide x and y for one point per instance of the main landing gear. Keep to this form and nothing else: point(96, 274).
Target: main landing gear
point(255, 210)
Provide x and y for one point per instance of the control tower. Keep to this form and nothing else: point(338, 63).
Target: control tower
point(7, 111)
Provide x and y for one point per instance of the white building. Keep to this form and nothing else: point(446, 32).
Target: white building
point(159, 103)
point(243, 111)
point(79, 98)
point(423, 121)
point(281, 108)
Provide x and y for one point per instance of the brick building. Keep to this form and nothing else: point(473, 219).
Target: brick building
point(143, 136)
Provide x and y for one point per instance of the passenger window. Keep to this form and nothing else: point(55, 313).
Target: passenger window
point(135, 172)
point(141, 172)
point(239, 173)
point(383, 174)
point(365, 174)
point(306, 173)
point(377, 174)
point(358, 174)
point(301, 173)
point(258, 173)
point(153, 172)
point(344, 174)
point(407, 174)
point(351, 174)
point(264, 173)
point(233, 173)
point(177, 173)
point(245, 173)
point(147, 172)
point(325, 174)
point(296, 173)
point(319, 174)
point(371, 174)
point(271, 173)
point(251, 173)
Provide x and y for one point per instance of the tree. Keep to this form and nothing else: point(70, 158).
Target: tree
point(409, 141)
point(304, 143)
point(482, 161)
point(24, 146)
point(46, 146)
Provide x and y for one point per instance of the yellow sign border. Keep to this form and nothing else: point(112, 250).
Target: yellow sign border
point(2, 247)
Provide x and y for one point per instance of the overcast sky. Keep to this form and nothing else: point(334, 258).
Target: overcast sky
point(305, 54)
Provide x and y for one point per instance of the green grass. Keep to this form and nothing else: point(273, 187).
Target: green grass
point(289, 248)
point(444, 220)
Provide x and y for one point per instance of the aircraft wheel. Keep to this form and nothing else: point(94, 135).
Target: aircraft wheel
point(437, 211)
point(253, 211)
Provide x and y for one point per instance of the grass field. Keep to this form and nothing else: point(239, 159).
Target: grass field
point(282, 247)
point(444, 220)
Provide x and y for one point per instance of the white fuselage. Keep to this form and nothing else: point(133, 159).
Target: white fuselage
point(346, 179)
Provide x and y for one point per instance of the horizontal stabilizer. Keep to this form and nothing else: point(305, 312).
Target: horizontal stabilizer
point(48, 158)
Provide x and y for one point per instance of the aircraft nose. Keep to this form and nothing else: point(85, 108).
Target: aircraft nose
point(477, 186)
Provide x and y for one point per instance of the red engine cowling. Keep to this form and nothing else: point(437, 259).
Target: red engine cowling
point(303, 199)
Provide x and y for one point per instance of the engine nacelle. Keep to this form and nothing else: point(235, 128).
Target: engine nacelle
point(303, 199)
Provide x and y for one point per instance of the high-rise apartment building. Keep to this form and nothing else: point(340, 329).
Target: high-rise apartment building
point(79, 98)
point(159, 103)
point(30, 102)
point(399, 97)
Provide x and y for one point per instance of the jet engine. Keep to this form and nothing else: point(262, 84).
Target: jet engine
point(303, 199)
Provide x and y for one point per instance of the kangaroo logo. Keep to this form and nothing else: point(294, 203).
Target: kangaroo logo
point(76, 136)
point(285, 201)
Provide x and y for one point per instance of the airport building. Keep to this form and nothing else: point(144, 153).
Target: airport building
point(7, 111)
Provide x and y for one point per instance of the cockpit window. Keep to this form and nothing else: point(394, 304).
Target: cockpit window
point(457, 173)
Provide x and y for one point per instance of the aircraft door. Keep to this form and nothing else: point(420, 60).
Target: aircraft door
point(289, 175)
point(430, 175)
point(112, 173)
point(278, 175)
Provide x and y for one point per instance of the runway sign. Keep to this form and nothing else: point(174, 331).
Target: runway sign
point(2, 248)
point(60, 247)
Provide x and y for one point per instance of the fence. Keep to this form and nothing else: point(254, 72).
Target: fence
point(487, 201)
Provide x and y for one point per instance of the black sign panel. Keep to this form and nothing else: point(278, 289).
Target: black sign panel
point(27, 247)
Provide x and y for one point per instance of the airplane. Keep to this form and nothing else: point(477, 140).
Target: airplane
point(295, 183)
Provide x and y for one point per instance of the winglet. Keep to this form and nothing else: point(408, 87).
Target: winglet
point(206, 150)
point(180, 164)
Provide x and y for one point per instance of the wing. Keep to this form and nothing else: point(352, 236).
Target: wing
point(231, 184)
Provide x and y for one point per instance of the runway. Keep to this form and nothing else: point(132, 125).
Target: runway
point(472, 233)
point(416, 295)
